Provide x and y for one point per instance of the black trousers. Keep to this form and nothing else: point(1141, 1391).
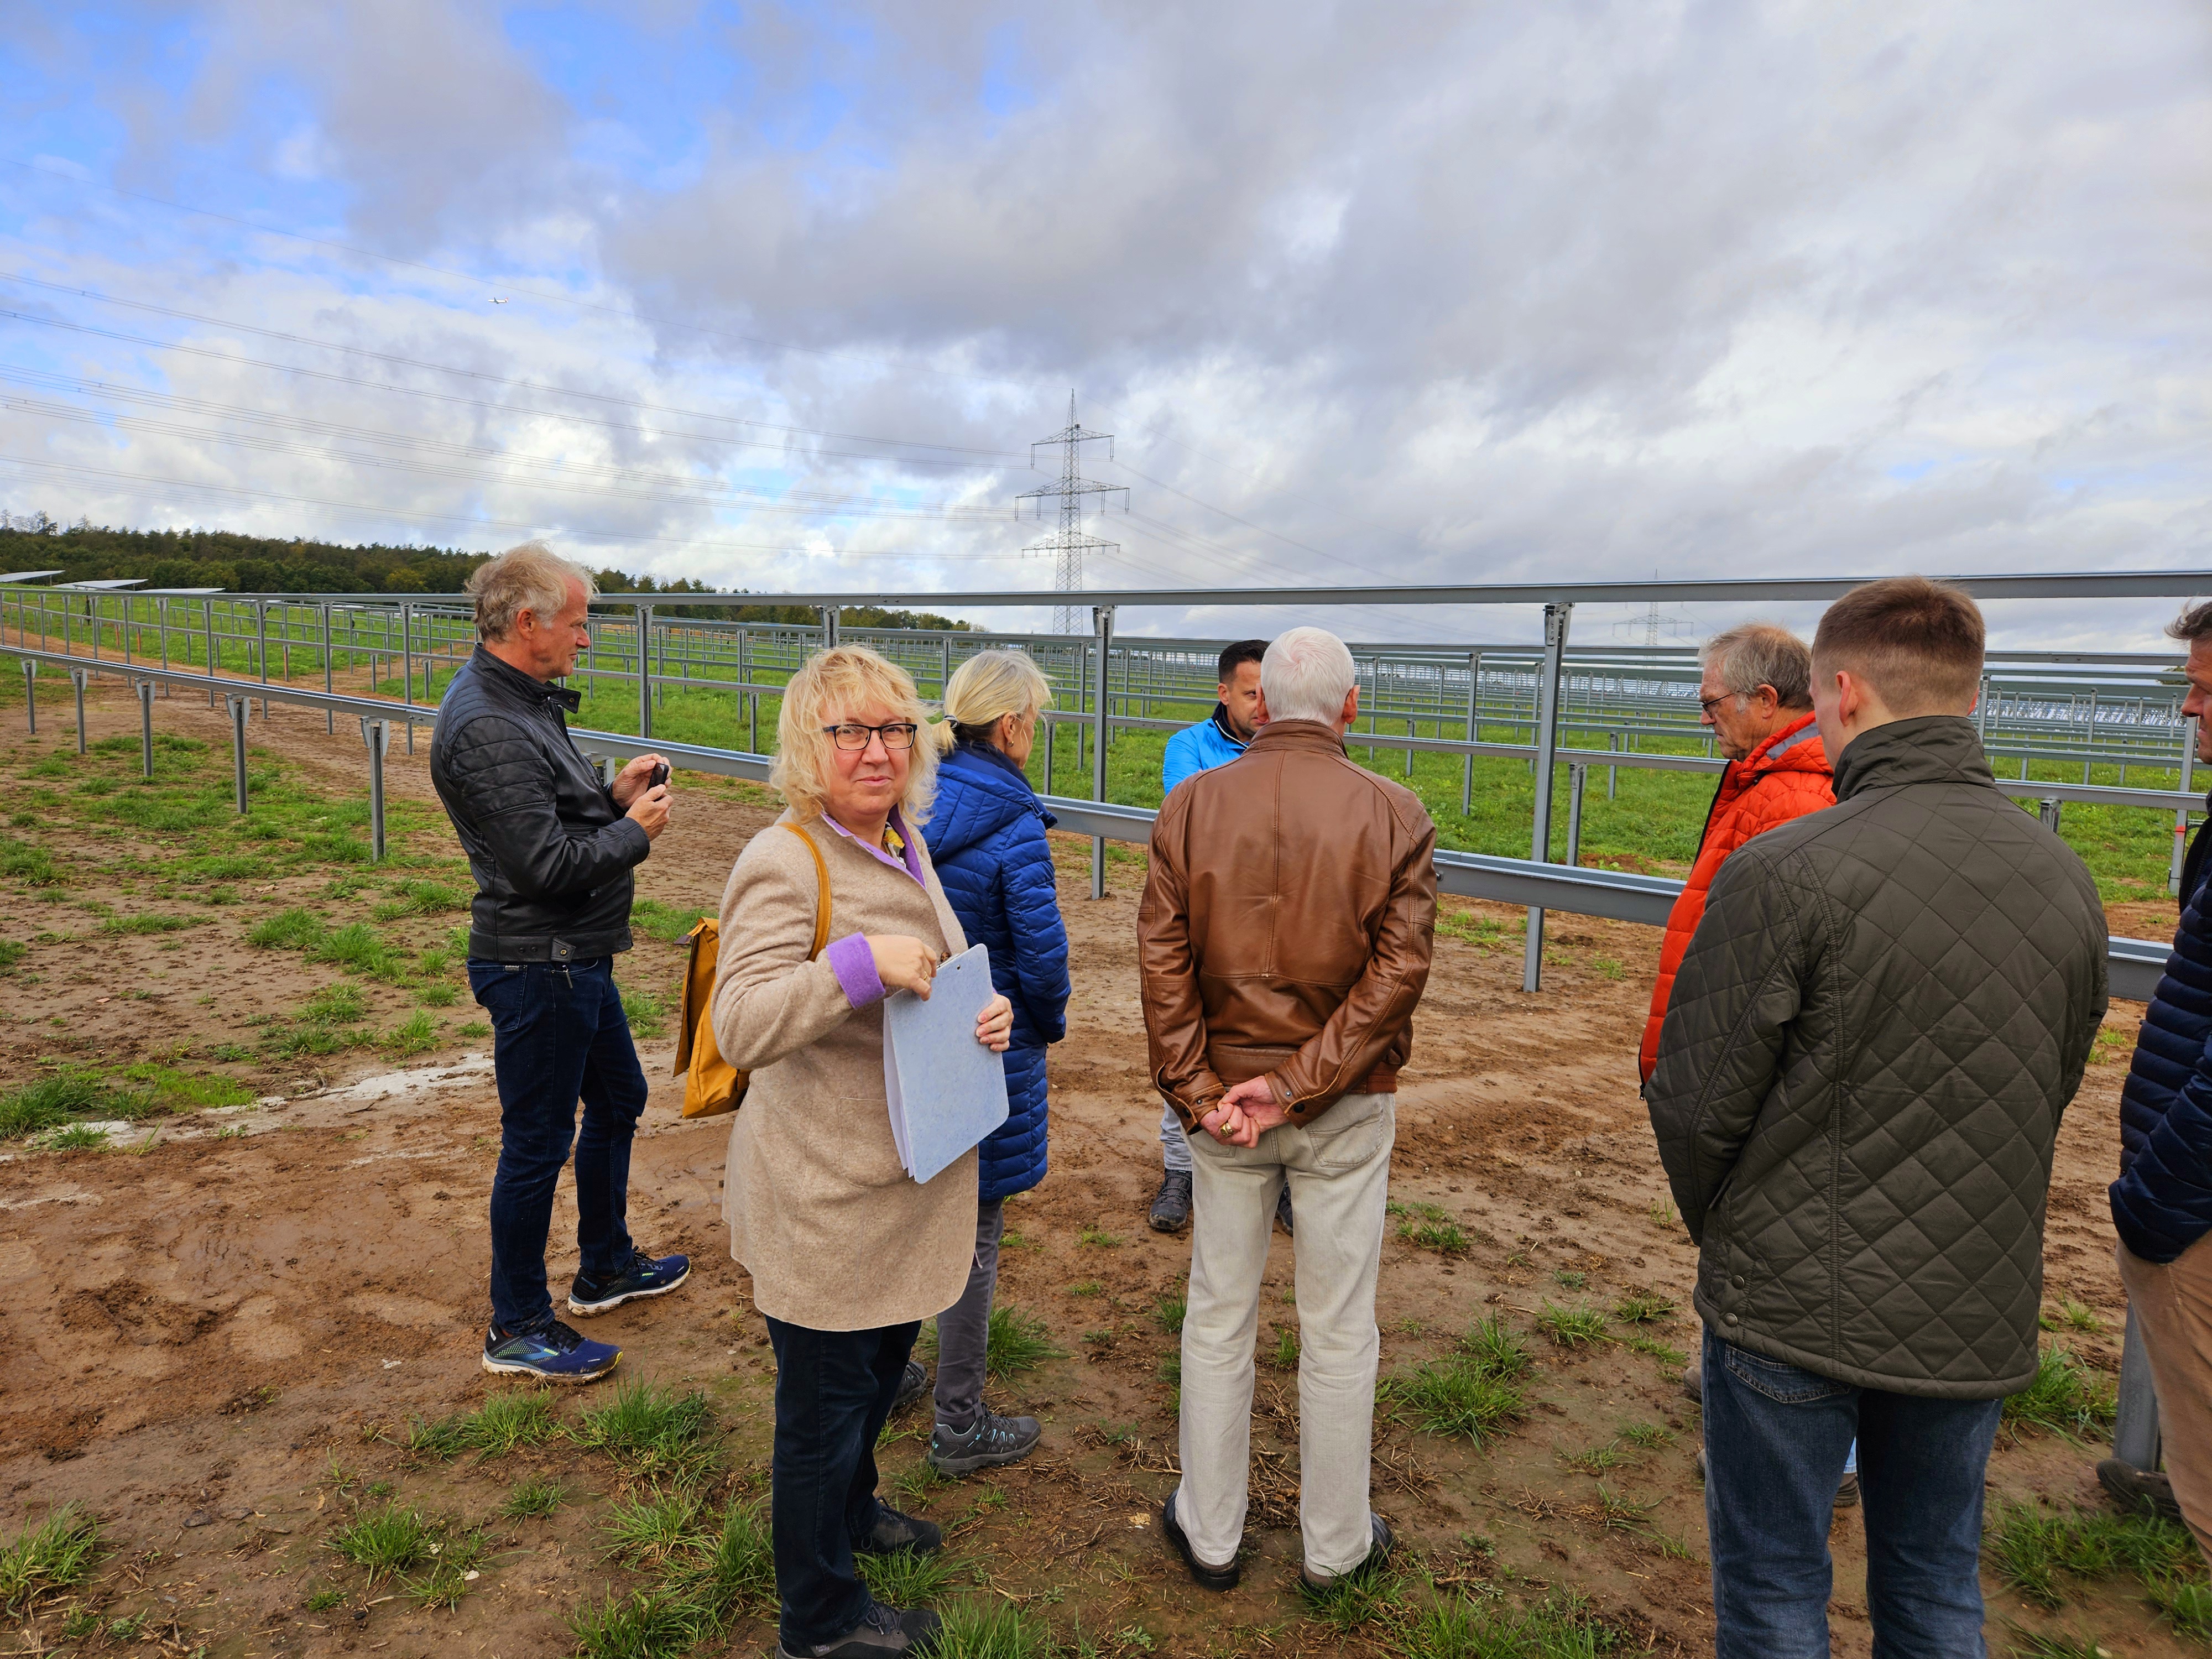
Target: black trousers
point(833, 1392)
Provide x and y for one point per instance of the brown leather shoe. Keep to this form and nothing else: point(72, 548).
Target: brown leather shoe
point(2139, 1491)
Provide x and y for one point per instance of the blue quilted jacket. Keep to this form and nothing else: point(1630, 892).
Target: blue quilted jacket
point(2162, 1202)
point(987, 839)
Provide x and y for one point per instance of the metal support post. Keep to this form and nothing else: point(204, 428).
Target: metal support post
point(644, 671)
point(261, 649)
point(1577, 776)
point(145, 690)
point(330, 715)
point(1613, 773)
point(1474, 729)
point(2049, 812)
point(240, 706)
point(31, 694)
point(207, 620)
point(407, 653)
point(77, 678)
point(1549, 674)
point(1102, 622)
point(943, 665)
point(2135, 1434)
point(377, 734)
point(829, 626)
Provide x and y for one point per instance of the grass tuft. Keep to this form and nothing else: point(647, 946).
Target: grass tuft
point(57, 1554)
point(393, 1539)
point(653, 1433)
point(1167, 1311)
point(1572, 1326)
point(533, 1498)
point(1460, 1627)
point(287, 930)
point(2035, 1551)
point(1474, 1392)
point(2066, 1397)
point(905, 1579)
point(975, 1630)
point(1640, 1307)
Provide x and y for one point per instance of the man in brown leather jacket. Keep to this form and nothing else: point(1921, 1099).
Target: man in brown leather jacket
point(1282, 943)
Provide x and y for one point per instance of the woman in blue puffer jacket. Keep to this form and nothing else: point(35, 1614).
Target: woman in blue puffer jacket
point(986, 838)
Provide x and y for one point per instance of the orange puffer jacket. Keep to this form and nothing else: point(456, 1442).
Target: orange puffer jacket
point(1785, 778)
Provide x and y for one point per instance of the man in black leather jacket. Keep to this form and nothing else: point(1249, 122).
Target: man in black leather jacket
point(551, 848)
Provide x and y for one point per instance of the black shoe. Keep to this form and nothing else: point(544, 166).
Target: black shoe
point(1207, 1578)
point(2139, 1491)
point(894, 1532)
point(1847, 1493)
point(1378, 1554)
point(911, 1388)
point(1171, 1204)
point(881, 1631)
point(986, 1444)
point(643, 1276)
point(1283, 1209)
point(1694, 1382)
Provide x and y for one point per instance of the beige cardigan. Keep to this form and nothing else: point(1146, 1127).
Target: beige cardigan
point(836, 1235)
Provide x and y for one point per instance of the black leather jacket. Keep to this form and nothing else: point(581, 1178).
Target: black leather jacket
point(551, 851)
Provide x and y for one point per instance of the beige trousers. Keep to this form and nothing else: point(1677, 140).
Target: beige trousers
point(1338, 1171)
point(2172, 1305)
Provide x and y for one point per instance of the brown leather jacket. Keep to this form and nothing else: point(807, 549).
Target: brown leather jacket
point(1287, 926)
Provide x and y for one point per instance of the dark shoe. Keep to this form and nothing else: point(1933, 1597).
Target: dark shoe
point(1171, 1204)
point(894, 1532)
point(645, 1276)
point(1847, 1493)
point(984, 1444)
point(2139, 1491)
point(1213, 1578)
point(1701, 1466)
point(912, 1385)
point(552, 1350)
point(1694, 1382)
point(1378, 1554)
point(881, 1631)
point(1283, 1209)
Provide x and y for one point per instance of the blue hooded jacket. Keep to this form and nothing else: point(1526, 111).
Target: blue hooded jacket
point(2162, 1202)
point(987, 839)
point(1198, 748)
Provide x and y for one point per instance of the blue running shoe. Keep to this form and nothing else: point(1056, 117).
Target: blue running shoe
point(645, 1276)
point(552, 1351)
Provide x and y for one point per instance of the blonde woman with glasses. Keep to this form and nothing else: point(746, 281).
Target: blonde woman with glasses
point(847, 1253)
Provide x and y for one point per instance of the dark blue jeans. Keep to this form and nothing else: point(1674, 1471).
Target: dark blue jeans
point(558, 1033)
point(833, 1391)
point(1775, 1440)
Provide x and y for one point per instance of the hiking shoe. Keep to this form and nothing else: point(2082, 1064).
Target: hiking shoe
point(2139, 1491)
point(894, 1532)
point(1378, 1554)
point(645, 1276)
point(1283, 1209)
point(1847, 1493)
point(1207, 1577)
point(1171, 1204)
point(911, 1386)
point(552, 1350)
point(881, 1631)
point(1694, 1382)
point(984, 1444)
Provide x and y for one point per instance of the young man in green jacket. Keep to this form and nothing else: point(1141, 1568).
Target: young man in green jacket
point(1881, 1017)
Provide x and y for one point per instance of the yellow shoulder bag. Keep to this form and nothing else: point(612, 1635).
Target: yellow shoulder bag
point(711, 1084)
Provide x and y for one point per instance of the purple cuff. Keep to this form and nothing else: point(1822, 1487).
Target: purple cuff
point(854, 964)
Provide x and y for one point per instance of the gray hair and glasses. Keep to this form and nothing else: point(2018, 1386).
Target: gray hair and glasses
point(1752, 654)
point(531, 577)
point(1306, 675)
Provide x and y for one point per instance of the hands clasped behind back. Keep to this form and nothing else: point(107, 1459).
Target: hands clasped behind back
point(905, 963)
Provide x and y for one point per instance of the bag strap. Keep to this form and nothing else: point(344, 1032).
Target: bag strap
point(822, 903)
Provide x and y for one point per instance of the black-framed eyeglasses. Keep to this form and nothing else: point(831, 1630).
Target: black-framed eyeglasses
point(1705, 704)
point(895, 734)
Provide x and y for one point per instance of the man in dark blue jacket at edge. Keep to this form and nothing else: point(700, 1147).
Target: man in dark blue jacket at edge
point(551, 848)
point(2162, 1202)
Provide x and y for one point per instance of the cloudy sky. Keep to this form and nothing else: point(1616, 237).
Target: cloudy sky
point(778, 297)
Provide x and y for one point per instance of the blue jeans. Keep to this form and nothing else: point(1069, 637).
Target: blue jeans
point(1775, 1441)
point(833, 1392)
point(558, 1032)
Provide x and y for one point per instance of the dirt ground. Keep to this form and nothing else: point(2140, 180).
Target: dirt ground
point(216, 1344)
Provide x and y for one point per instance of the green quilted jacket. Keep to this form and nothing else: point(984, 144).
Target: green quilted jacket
point(1880, 1020)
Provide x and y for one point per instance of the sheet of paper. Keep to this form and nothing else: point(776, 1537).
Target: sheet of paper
point(946, 1091)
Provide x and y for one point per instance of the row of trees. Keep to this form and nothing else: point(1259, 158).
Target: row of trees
point(261, 564)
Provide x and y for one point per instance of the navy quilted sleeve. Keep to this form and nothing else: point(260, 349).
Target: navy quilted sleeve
point(2162, 1202)
point(1040, 937)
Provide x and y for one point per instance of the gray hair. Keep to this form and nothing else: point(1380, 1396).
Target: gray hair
point(1306, 676)
point(2192, 624)
point(531, 577)
point(1752, 654)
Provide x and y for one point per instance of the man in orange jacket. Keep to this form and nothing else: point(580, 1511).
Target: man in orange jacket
point(1757, 695)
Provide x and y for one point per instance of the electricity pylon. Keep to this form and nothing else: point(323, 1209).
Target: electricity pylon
point(1068, 544)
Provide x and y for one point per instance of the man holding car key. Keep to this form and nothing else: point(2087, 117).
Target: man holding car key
point(551, 848)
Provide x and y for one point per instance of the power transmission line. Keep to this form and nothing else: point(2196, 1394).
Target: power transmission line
point(1068, 544)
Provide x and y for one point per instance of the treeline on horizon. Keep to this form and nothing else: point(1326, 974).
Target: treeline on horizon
point(261, 564)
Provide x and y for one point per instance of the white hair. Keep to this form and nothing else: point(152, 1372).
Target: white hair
point(1306, 676)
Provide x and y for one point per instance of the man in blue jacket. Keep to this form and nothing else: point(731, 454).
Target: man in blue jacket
point(2162, 1202)
point(1214, 741)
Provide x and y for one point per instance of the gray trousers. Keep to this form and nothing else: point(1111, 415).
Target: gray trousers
point(1175, 1145)
point(963, 1330)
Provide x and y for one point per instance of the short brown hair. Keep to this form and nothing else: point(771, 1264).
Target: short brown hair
point(1917, 643)
point(1752, 654)
point(2192, 624)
